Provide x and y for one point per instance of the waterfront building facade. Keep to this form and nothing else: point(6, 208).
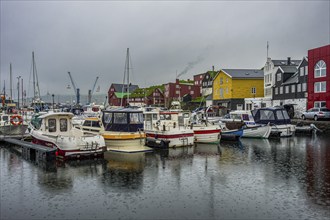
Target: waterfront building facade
point(207, 82)
point(175, 91)
point(232, 86)
point(152, 96)
point(270, 70)
point(319, 77)
point(118, 92)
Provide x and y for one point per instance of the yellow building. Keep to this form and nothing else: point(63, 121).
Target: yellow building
point(232, 86)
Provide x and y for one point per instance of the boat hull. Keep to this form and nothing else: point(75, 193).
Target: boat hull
point(71, 147)
point(124, 139)
point(257, 132)
point(285, 130)
point(231, 135)
point(206, 134)
point(13, 131)
point(170, 139)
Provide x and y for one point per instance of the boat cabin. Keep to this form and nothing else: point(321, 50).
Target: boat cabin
point(273, 115)
point(54, 123)
point(122, 119)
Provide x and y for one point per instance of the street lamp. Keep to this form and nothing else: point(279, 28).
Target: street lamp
point(53, 101)
point(18, 78)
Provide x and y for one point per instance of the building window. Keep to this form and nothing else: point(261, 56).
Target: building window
point(227, 80)
point(221, 81)
point(320, 86)
point(227, 90)
point(279, 77)
point(221, 92)
point(320, 69)
point(276, 90)
point(298, 87)
point(253, 90)
point(191, 92)
point(249, 106)
point(304, 87)
point(293, 88)
point(306, 70)
point(286, 89)
point(281, 90)
point(320, 104)
point(302, 71)
point(239, 107)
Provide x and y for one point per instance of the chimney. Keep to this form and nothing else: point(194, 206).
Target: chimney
point(177, 81)
point(213, 68)
point(289, 60)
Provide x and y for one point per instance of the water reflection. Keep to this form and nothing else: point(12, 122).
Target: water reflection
point(124, 170)
point(207, 149)
point(254, 179)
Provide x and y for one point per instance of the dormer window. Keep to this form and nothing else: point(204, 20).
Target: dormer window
point(320, 69)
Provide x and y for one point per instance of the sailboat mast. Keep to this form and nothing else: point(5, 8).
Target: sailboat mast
point(11, 82)
point(34, 80)
point(127, 58)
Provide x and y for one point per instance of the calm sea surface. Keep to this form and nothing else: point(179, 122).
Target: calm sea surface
point(286, 178)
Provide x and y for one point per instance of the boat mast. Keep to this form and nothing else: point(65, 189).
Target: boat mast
point(36, 90)
point(11, 82)
point(126, 72)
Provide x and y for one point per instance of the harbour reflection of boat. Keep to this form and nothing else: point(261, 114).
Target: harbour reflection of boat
point(125, 161)
point(125, 170)
point(175, 153)
point(248, 142)
point(207, 149)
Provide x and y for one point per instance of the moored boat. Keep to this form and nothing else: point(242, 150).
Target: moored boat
point(122, 127)
point(278, 119)
point(12, 126)
point(204, 131)
point(55, 130)
point(167, 129)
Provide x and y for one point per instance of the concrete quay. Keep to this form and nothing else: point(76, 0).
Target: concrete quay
point(323, 125)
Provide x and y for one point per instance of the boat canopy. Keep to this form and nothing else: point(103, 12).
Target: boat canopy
point(272, 115)
point(122, 120)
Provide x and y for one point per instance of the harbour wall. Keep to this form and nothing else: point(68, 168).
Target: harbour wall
point(322, 125)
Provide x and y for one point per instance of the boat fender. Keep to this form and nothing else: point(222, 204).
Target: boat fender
point(164, 128)
point(174, 124)
point(16, 120)
point(191, 126)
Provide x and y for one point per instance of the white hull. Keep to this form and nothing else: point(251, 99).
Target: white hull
point(176, 138)
point(70, 145)
point(287, 130)
point(206, 134)
point(257, 132)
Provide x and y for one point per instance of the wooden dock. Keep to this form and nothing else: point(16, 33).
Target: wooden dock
point(32, 151)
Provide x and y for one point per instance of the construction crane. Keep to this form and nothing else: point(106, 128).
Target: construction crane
point(76, 90)
point(91, 91)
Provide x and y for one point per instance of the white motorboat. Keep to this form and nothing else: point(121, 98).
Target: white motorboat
point(243, 119)
point(167, 129)
point(55, 130)
point(12, 126)
point(204, 131)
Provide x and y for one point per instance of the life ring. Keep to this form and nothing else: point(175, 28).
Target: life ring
point(16, 120)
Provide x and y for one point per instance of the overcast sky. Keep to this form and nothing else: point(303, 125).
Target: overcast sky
point(166, 39)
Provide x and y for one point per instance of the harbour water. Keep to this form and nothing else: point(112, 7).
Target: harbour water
point(286, 178)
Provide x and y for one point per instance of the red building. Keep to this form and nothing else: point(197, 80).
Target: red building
point(179, 89)
point(319, 77)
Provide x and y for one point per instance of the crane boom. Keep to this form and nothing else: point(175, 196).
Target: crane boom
point(73, 85)
point(94, 84)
